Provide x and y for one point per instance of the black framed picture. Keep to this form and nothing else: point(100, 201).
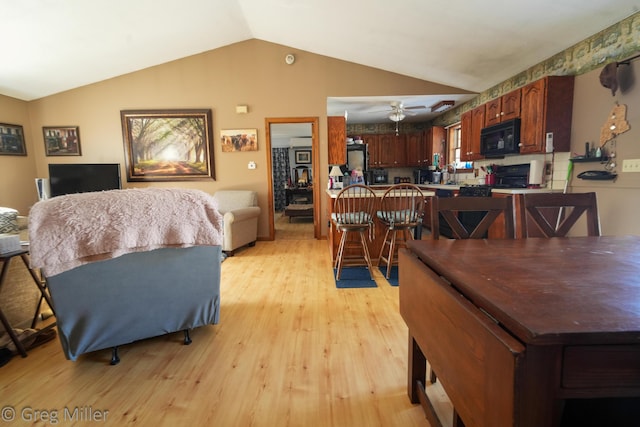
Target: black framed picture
point(12, 140)
point(303, 157)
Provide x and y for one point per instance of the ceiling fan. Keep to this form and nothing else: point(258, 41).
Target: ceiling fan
point(399, 111)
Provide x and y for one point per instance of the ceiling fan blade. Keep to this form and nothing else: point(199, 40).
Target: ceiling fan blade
point(417, 107)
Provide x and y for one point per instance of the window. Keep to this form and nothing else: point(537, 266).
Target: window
point(455, 147)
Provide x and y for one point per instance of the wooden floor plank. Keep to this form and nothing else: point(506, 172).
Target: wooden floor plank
point(290, 350)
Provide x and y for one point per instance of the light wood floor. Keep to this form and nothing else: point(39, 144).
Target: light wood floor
point(290, 350)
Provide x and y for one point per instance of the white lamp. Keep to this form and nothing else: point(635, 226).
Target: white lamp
point(335, 173)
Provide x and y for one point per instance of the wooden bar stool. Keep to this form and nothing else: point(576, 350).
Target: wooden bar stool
point(353, 213)
point(401, 210)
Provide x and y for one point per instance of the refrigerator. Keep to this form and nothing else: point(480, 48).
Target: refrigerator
point(357, 157)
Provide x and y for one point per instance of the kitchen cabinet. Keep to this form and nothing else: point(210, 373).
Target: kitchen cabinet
point(373, 149)
point(421, 146)
point(546, 108)
point(417, 149)
point(472, 122)
point(437, 141)
point(337, 140)
point(389, 151)
point(506, 107)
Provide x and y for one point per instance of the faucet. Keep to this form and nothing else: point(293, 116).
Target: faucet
point(453, 169)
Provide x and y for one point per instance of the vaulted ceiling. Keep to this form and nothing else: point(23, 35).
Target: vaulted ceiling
point(51, 46)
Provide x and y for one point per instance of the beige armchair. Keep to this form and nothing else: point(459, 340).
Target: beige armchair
point(241, 211)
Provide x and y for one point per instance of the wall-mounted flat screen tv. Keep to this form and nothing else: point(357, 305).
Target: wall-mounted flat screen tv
point(83, 177)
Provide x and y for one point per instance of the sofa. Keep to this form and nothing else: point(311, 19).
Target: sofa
point(125, 265)
point(240, 212)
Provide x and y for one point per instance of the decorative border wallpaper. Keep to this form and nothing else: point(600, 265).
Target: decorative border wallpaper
point(615, 43)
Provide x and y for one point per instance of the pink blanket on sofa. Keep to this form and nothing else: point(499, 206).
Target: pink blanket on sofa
point(68, 231)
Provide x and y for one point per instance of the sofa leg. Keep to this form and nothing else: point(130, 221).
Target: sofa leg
point(187, 338)
point(252, 244)
point(229, 253)
point(114, 356)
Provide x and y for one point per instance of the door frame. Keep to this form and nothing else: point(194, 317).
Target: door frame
point(315, 159)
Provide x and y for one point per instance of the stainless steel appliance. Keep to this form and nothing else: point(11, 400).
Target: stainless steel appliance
point(421, 176)
point(501, 139)
point(512, 176)
point(377, 176)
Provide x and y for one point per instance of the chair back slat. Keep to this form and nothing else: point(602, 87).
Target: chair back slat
point(448, 208)
point(570, 208)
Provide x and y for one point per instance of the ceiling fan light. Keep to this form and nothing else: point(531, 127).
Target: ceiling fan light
point(441, 106)
point(396, 116)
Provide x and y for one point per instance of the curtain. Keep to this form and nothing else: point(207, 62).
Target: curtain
point(281, 174)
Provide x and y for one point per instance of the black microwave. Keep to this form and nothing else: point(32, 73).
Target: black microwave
point(501, 139)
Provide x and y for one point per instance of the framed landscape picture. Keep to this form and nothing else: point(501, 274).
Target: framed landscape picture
point(239, 140)
point(168, 145)
point(61, 140)
point(12, 140)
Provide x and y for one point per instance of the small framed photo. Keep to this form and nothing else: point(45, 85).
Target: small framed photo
point(239, 140)
point(12, 140)
point(303, 157)
point(61, 140)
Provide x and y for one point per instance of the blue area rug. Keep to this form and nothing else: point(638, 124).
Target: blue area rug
point(393, 277)
point(354, 277)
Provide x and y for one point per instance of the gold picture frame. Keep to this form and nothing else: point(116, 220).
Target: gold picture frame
point(168, 145)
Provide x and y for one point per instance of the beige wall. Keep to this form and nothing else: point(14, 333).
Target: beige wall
point(17, 173)
point(619, 200)
point(252, 73)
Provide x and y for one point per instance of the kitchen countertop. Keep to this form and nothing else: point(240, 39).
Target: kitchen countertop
point(379, 191)
point(429, 189)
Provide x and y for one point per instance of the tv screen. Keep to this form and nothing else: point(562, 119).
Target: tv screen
point(83, 178)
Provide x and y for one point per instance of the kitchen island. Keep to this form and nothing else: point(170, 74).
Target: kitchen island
point(495, 232)
point(379, 229)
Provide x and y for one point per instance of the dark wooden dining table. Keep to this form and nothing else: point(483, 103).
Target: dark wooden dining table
point(516, 329)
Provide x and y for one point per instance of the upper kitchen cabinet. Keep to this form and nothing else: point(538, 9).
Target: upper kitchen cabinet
point(337, 140)
point(373, 149)
point(391, 151)
point(506, 107)
point(546, 108)
point(418, 149)
point(437, 140)
point(471, 123)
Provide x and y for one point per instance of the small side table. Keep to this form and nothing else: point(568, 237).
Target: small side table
point(6, 259)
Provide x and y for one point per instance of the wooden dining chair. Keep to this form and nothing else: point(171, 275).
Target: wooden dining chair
point(401, 211)
point(448, 209)
point(353, 212)
point(555, 214)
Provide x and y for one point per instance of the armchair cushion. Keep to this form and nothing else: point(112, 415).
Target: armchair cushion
point(240, 217)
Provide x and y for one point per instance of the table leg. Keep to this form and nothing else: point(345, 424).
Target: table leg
point(44, 294)
point(417, 370)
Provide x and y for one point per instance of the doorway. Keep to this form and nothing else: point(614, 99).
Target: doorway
point(276, 129)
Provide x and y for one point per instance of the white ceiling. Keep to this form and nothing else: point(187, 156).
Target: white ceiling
point(51, 46)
